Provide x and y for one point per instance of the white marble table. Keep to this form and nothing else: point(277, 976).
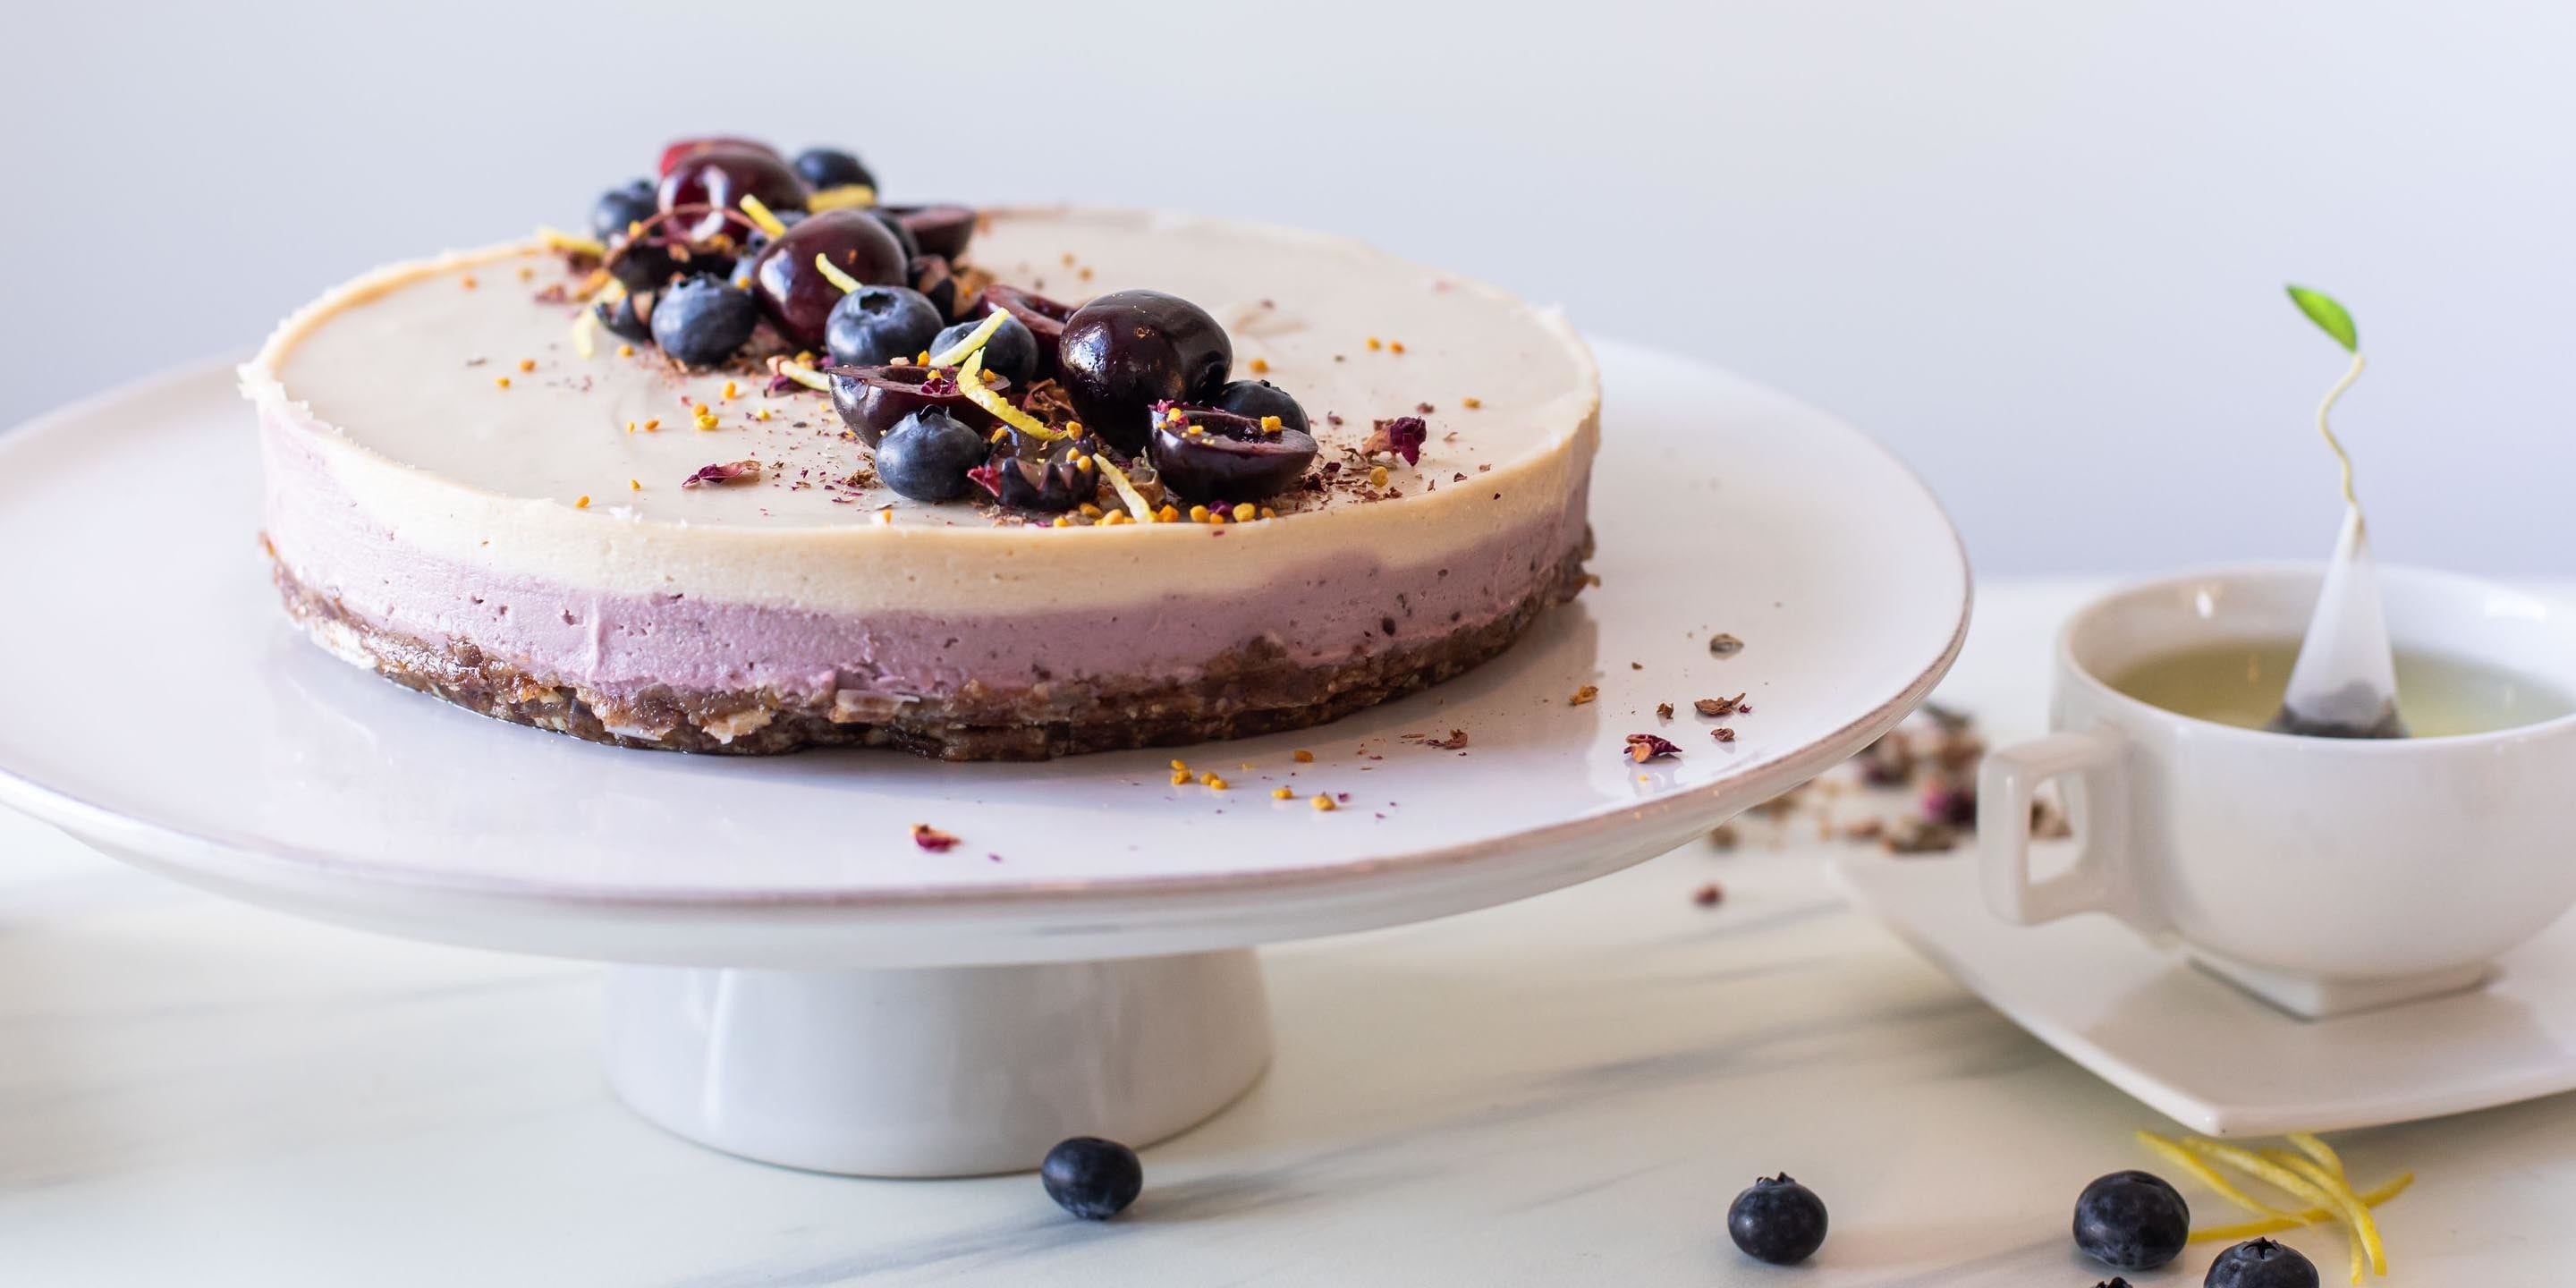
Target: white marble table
point(1564, 1091)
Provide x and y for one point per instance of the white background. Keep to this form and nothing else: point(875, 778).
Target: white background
point(2036, 245)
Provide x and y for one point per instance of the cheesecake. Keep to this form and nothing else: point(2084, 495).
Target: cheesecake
point(549, 487)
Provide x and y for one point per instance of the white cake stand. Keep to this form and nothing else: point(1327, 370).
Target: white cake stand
point(797, 981)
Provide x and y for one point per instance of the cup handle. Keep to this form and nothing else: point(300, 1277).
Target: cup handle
point(2004, 787)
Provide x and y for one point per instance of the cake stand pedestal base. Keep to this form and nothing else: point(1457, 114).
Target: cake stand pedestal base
point(950, 1071)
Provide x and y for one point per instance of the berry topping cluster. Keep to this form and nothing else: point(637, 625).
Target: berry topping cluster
point(1122, 408)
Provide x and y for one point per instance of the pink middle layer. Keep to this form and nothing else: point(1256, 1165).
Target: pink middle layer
point(622, 644)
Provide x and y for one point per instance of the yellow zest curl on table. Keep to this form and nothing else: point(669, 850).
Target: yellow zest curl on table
point(2314, 1175)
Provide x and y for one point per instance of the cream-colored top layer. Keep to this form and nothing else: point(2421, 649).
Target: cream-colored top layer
point(396, 379)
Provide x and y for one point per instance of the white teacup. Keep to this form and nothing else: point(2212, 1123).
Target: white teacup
point(2323, 875)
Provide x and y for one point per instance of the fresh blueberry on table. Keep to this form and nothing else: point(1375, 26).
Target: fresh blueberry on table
point(874, 325)
point(822, 168)
point(1259, 398)
point(1778, 1221)
point(2261, 1263)
point(1092, 1178)
point(622, 207)
point(1011, 352)
point(2131, 1220)
point(703, 321)
point(927, 454)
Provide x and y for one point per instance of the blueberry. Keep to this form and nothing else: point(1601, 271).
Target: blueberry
point(1012, 352)
point(1259, 398)
point(620, 208)
point(927, 454)
point(822, 168)
point(1092, 1178)
point(874, 325)
point(2261, 1263)
point(703, 321)
point(2131, 1220)
point(628, 317)
point(1778, 1220)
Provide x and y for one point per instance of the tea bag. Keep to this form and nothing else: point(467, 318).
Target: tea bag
point(2344, 684)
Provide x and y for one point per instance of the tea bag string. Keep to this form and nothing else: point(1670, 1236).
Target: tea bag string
point(2350, 375)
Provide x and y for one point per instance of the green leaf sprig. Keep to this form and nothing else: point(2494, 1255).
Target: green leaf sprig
point(2335, 320)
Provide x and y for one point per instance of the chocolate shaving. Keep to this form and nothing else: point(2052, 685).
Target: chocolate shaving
point(1723, 645)
point(1663, 711)
point(723, 473)
point(1716, 707)
point(1456, 741)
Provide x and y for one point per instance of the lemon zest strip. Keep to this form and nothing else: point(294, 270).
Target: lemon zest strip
point(558, 239)
point(970, 381)
point(2290, 1182)
point(2355, 1212)
point(832, 273)
point(2319, 1150)
point(973, 343)
point(2243, 1230)
point(760, 214)
point(1126, 491)
point(843, 197)
point(2209, 1176)
point(806, 376)
point(584, 331)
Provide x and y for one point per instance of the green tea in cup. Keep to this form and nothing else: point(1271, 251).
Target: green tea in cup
point(2241, 683)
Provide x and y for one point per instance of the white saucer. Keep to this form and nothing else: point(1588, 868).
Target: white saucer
point(157, 704)
point(2214, 1058)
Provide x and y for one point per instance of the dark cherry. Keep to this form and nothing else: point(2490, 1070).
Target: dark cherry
point(628, 317)
point(796, 295)
point(941, 230)
point(1027, 474)
point(872, 399)
point(721, 177)
point(1230, 459)
point(1043, 317)
point(831, 168)
point(1259, 398)
point(621, 208)
point(1126, 351)
point(673, 154)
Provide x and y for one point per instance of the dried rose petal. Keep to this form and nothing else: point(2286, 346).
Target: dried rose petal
point(726, 472)
point(1643, 747)
point(1402, 436)
point(932, 839)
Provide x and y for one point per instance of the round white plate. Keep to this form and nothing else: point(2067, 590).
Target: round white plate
point(156, 702)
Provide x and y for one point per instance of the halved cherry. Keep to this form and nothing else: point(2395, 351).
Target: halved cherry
point(941, 230)
point(1206, 455)
point(872, 399)
point(1043, 317)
